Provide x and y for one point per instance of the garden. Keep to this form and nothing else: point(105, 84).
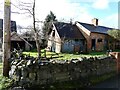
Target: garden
point(65, 56)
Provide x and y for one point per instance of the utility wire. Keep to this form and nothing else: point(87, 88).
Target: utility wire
point(16, 6)
point(24, 9)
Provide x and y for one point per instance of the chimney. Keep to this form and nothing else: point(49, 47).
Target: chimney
point(71, 21)
point(95, 21)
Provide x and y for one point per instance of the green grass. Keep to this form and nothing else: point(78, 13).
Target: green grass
point(5, 82)
point(1, 68)
point(66, 56)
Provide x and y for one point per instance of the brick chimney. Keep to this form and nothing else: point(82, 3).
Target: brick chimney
point(95, 21)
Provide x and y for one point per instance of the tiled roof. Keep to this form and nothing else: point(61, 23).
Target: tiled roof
point(98, 29)
point(68, 30)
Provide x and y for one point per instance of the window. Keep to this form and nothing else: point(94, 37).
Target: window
point(53, 33)
point(76, 40)
point(99, 40)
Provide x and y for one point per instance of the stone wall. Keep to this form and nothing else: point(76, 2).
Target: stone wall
point(117, 56)
point(35, 72)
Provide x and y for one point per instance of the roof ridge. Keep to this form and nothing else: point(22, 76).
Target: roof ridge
point(96, 26)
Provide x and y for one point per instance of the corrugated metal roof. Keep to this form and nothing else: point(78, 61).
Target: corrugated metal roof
point(98, 29)
point(68, 30)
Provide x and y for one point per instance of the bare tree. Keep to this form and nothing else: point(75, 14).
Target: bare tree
point(35, 30)
point(29, 8)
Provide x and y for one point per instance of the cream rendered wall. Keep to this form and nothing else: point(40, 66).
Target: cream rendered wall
point(58, 43)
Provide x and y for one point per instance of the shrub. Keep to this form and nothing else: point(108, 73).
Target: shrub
point(5, 82)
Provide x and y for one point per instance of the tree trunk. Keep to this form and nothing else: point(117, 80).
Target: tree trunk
point(36, 33)
point(37, 45)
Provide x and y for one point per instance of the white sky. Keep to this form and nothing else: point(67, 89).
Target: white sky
point(64, 10)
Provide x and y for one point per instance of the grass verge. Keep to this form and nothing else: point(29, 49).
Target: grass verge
point(5, 82)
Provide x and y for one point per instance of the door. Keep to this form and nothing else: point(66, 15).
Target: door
point(93, 44)
point(53, 47)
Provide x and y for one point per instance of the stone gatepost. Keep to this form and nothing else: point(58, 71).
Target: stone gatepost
point(117, 57)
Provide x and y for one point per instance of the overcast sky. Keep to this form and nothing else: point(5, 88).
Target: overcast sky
point(77, 10)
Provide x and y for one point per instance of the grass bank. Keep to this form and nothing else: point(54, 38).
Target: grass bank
point(66, 56)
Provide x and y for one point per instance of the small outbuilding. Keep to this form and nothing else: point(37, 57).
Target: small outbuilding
point(66, 37)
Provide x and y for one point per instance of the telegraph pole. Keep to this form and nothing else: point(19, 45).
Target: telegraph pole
point(6, 37)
